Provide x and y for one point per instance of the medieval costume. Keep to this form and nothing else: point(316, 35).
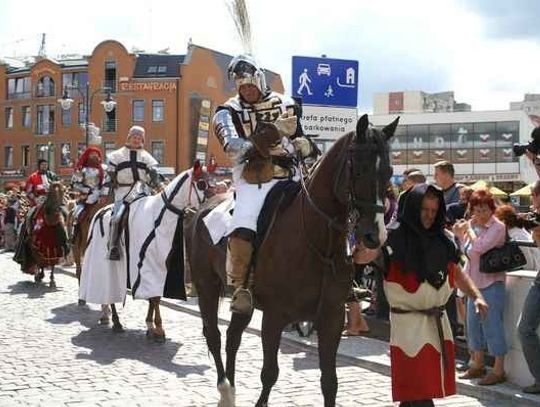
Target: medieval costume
point(90, 179)
point(255, 171)
point(127, 166)
point(419, 280)
point(38, 183)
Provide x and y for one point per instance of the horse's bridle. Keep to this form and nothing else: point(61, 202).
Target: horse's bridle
point(354, 204)
point(198, 184)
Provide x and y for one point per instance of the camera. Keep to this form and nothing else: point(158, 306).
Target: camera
point(530, 220)
point(533, 146)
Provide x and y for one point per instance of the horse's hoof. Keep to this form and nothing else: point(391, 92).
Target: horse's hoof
point(52, 285)
point(118, 328)
point(81, 303)
point(104, 321)
point(158, 338)
point(227, 394)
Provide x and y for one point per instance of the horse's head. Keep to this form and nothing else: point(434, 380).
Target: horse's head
point(53, 200)
point(55, 194)
point(200, 185)
point(368, 175)
point(189, 189)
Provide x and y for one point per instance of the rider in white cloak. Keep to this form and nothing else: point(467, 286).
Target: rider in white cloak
point(126, 166)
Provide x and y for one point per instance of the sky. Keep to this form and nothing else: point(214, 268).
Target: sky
point(486, 51)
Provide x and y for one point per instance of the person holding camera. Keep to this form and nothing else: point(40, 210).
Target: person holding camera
point(530, 315)
point(476, 237)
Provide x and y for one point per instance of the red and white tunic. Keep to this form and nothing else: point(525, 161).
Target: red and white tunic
point(37, 185)
point(417, 366)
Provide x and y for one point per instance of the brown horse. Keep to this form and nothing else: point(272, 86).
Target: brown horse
point(47, 237)
point(301, 272)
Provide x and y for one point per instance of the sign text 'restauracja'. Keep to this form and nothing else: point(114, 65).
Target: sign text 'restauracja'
point(147, 86)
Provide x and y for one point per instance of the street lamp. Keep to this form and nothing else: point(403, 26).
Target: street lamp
point(108, 104)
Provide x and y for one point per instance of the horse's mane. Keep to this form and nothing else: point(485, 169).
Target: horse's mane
point(53, 201)
point(336, 151)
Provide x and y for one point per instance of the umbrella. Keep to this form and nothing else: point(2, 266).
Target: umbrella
point(484, 185)
point(525, 191)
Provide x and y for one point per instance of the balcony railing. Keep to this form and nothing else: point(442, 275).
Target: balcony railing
point(45, 128)
point(19, 95)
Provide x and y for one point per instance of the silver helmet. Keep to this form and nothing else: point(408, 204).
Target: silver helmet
point(243, 69)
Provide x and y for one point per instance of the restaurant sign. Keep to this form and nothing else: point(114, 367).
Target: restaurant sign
point(131, 86)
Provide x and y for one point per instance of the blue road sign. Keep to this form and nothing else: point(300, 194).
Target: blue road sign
point(325, 81)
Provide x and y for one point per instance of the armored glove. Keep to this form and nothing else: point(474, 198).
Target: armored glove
point(286, 124)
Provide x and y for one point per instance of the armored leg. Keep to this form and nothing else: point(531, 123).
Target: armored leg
point(240, 252)
point(114, 233)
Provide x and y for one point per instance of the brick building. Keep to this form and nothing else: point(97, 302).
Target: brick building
point(172, 96)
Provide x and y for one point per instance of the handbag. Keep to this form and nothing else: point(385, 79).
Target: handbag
point(506, 258)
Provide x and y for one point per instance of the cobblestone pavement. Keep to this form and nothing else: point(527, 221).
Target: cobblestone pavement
point(54, 353)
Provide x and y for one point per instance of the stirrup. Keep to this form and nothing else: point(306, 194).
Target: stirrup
point(242, 301)
point(114, 253)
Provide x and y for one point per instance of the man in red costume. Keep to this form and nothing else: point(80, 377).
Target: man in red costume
point(38, 183)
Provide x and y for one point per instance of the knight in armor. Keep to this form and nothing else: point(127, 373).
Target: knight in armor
point(90, 179)
point(38, 183)
point(262, 159)
point(126, 166)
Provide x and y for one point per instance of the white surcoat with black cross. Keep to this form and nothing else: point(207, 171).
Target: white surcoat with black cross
point(130, 165)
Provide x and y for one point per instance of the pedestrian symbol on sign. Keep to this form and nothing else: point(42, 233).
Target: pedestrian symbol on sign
point(329, 92)
point(303, 79)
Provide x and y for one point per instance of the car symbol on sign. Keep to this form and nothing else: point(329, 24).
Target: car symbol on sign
point(323, 69)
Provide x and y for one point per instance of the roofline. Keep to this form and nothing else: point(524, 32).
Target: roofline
point(224, 54)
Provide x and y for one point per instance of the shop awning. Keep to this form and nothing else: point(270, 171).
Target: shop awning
point(484, 185)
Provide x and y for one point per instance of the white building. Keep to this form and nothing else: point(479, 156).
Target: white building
point(530, 104)
point(416, 101)
point(479, 144)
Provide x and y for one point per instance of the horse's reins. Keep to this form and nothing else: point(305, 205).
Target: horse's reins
point(332, 223)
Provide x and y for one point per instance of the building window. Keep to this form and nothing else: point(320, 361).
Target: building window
point(158, 107)
point(9, 117)
point(109, 122)
point(157, 70)
point(19, 88)
point(158, 151)
point(45, 87)
point(110, 76)
point(65, 154)
point(138, 110)
point(66, 117)
point(75, 80)
point(26, 116)
point(82, 114)
point(45, 119)
point(8, 157)
point(109, 147)
point(80, 149)
point(42, 152)
point(25, 156)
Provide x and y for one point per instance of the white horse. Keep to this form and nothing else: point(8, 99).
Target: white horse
point(151, 246)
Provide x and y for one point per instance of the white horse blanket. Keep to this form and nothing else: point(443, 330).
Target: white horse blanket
point(145, 266)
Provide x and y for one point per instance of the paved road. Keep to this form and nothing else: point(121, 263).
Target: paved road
point(54, 353)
